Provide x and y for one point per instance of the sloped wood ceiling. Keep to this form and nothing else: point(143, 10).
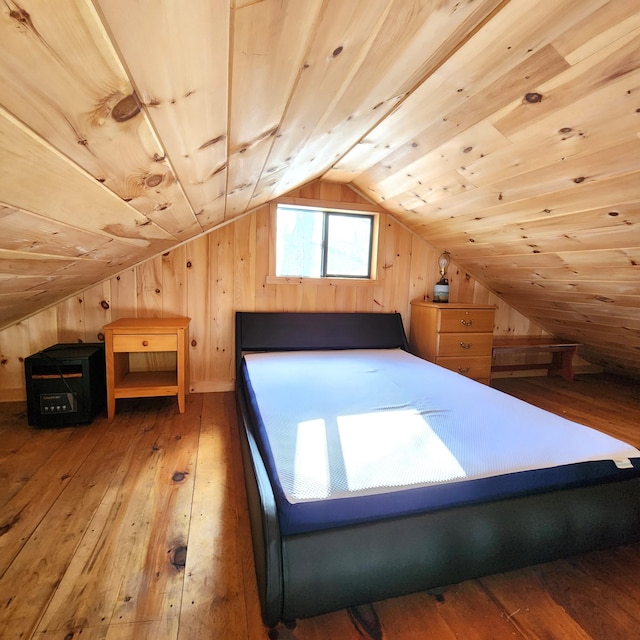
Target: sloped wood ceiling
point(504, 131)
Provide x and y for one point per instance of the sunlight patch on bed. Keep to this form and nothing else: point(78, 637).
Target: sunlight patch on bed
point(311, 478)
point(394, 448)
point(377, 451)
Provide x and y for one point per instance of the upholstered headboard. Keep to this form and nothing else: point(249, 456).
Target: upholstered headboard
point(282, 331)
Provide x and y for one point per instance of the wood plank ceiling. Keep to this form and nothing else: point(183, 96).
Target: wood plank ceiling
point(506, 133)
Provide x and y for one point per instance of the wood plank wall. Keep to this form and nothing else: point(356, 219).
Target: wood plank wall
point(209, 278)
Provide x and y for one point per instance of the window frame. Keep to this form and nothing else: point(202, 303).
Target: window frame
point(347, 208)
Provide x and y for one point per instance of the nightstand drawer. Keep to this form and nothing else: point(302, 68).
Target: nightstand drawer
point(462, 320)
point(471, 367)
point(148, 342)
point(464, 344)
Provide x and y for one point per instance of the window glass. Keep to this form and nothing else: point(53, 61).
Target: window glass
point(299, 242)
point(313, 243)
point(348, 245)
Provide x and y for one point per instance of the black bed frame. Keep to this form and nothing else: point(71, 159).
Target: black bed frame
point(307, 574)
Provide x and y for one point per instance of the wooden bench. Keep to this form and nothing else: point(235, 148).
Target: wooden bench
point(562, 354)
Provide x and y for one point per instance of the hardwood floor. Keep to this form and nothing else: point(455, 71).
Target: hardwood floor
point(137, 528)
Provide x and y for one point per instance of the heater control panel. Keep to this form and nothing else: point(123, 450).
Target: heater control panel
point(57, 403)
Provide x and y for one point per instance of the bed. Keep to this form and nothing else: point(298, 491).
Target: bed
point(371, 473)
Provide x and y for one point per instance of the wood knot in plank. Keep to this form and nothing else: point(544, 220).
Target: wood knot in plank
point(179, 559)
point(22, 16)
point(153, 180)
point(126, 108)
point(179, 476)
point(532, 98)
point(213, 141)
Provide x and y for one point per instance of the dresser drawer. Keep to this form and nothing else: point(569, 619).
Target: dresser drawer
point(463, 320)
point(478, 368)
point(464, 344)
point(142, 342)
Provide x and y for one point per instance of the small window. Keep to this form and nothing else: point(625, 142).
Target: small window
point(317, 243)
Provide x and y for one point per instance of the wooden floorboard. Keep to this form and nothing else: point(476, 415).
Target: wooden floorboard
point(138, 528)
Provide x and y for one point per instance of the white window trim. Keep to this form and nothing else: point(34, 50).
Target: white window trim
point(344, 207)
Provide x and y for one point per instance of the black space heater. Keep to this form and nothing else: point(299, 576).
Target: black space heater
point(66, 384)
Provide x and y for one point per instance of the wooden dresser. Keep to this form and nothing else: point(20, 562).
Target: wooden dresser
point(454, 335)
point(145, 335)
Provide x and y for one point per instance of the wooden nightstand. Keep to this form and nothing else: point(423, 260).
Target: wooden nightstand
point(454, 335)
point(145, 335)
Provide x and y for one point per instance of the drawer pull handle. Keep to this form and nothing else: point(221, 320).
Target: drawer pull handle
point(465, 345)
point(464, 370)
point(465, 323)
point(145, 343)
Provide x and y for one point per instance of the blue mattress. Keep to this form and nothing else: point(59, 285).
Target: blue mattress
point(352, 436)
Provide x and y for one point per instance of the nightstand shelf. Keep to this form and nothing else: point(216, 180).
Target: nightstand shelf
point(145, 335)
point(149, 383)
